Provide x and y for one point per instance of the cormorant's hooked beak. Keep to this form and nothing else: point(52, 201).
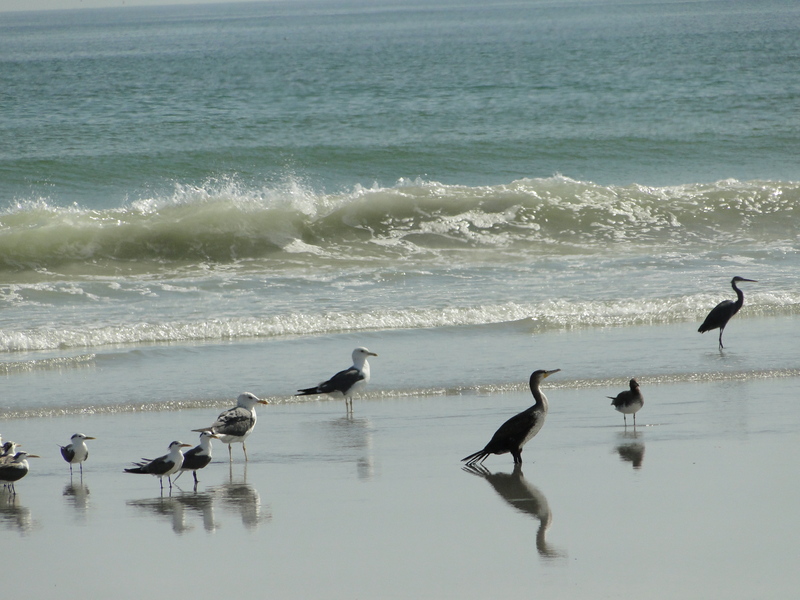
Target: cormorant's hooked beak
point(548, 373)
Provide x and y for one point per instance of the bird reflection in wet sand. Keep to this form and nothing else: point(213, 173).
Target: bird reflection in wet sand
point(351, 440)
point(242, 498)
point(13, 515)
point(77, 496)
point(631, 451)
point(236, 496)
point(526, 498)
point(169, 507)
point(203, 505)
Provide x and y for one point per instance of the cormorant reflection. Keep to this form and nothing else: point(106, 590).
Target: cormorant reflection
point(526, 498)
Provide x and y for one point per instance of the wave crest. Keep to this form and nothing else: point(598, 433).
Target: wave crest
point(223, 222)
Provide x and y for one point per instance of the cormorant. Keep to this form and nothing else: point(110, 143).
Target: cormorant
point(519, 429)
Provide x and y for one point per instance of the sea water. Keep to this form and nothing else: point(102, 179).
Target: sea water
point(198, 201)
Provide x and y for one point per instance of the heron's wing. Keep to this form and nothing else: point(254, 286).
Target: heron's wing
point(718, 316)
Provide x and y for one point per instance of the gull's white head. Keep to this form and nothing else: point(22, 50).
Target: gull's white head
point(360, 355)
point(248, 400)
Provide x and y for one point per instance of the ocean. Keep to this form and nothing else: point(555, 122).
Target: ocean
point(199, 200)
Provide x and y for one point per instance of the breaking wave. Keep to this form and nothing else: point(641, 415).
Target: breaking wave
point(222, 222)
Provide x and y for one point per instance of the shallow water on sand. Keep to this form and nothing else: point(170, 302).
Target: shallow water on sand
point(376, 505)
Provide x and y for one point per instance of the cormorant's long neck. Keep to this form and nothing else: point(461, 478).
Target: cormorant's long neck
point(541, 399)
point(739, 296)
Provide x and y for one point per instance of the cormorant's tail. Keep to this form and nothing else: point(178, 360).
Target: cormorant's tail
point(477, 458)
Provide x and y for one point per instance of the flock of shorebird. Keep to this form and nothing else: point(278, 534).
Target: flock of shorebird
point(232, 426)
point(235, 424)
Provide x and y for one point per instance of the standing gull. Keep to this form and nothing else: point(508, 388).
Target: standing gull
point(628, 402)
point(346, 382)
point(15, 469)
point(722, 312)
point(163, 466)
point(8, 450)
point(235, 424)
point(199, 456)
point(76, 451)
point(519, 429)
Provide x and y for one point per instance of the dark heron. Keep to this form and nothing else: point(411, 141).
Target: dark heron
point(722, 312)
point(519, 429)
point(628, 402)
point(163, 466)
point(76, 451)
point(235, 424)
point(347, 382)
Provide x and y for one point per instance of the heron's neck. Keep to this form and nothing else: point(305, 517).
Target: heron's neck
point(739, 294)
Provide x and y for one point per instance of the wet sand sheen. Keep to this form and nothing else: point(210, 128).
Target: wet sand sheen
point(696, 501)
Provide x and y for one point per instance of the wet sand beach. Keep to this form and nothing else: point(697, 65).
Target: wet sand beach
point(698, 501)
